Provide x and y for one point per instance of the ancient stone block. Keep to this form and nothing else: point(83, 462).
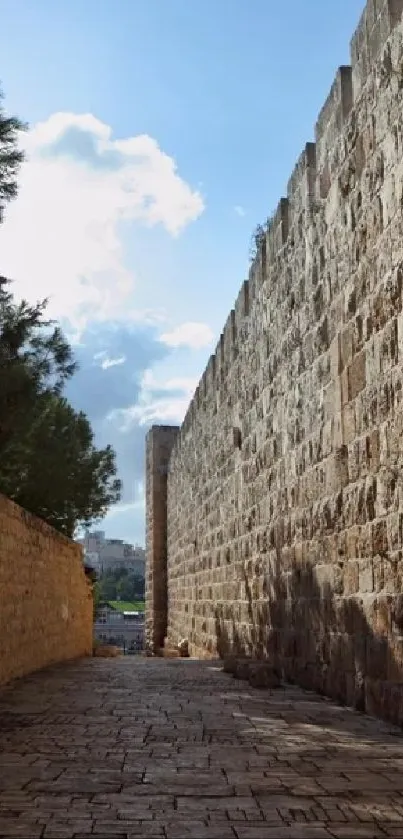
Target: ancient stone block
point(230, 665)
point(241, 670)
point(356, 375)
point(263, 675)
point(183, 648)
point(366, 575)
point(107, 651)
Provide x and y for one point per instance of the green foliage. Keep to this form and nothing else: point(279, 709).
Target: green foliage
point(48, 461)
point(127, 605)
point(256, 242)
point(258, 236)
point(10, 156)
point(35, 363)
point(121, 584)
point(54, 469)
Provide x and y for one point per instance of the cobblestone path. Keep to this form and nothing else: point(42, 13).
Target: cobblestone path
point(156, 748)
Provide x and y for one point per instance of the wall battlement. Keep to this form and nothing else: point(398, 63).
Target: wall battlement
point(315, 170)
point(378, 20)
point(284, 498)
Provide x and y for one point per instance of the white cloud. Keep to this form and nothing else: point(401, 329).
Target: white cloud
point(105, 362)
point(160, 402)
point(191, 334)
point(62, 236)
point(113, 362)
point(132, 506)
point(118, 509)
point(240, 211)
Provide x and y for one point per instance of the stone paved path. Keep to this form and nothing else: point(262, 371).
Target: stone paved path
point(153, 748)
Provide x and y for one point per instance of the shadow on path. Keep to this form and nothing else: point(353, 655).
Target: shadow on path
point(175, 749)
point(321, 639)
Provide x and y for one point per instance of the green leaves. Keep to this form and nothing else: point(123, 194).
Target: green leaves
point(48, 461)
point(58, 473)
point(10, 156)
point(120, 584)
point(35, 361)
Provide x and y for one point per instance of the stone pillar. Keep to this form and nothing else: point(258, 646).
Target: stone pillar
point(159, 443)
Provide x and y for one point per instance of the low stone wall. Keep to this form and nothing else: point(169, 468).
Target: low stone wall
point(45, 599)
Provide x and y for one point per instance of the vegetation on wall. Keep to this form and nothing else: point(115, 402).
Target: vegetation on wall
point(49, 463)
point(258, 236)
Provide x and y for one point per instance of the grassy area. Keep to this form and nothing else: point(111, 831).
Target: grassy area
point(126, 606)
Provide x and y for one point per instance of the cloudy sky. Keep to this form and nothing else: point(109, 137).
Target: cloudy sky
point(161, 133)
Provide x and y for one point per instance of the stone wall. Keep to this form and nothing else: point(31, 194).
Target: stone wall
point(45, 599)
point(160, 440)
point(285, 485)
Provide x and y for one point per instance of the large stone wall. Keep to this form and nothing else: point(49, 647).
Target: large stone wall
point(45, 599)
point(285, 485)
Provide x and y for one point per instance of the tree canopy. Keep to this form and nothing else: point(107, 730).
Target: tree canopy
point(35, 360)
point(11, 156)
point(120, 584)
point(49, 463)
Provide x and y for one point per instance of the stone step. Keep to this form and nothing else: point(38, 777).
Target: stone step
point(168, 652)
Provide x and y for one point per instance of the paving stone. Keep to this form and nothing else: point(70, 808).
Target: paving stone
point(292, 765)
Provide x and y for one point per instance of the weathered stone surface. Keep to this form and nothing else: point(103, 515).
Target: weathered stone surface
point(260, 674)
point(242, 668)
point(285, 494)
point(230, 665)
point(46, 605)
point(107, 651)
point(168, 652)
point(137, 747)
point(183, 648)
point(263, 675)
point(159, 446)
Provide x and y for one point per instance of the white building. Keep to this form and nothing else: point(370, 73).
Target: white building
point(106, 554)
point(122, 629)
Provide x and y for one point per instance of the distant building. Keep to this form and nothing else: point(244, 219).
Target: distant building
point(122, 629)
point(108, 554)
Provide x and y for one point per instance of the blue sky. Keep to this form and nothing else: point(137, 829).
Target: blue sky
point(161, 133)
